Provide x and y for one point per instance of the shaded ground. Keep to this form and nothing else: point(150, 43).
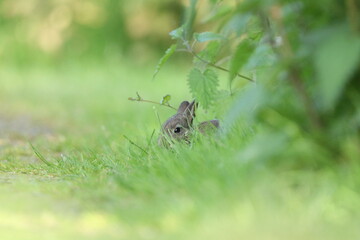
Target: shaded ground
point(21, 126)
point(10, 177)
point(16, 135)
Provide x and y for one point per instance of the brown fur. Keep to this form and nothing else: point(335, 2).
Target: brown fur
point(179, 126)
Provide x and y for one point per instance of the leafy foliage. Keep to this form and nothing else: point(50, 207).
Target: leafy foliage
point(209, 54)
point(203, 86)
point(335, 61)
point(170, 51)
point(304, 56)
point(242, 54)
point(166, 99)
point(177, 33)
point(207, 36)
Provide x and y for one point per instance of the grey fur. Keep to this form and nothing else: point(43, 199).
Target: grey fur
point(179, 126)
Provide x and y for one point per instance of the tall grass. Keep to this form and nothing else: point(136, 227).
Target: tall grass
point(116, 187)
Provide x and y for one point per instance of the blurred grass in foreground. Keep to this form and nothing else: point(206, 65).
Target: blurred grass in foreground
point(98, 185)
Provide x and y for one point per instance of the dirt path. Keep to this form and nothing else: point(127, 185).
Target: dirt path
point(21, 126)
point(16, 134)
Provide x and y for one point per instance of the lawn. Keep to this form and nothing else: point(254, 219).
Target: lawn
point(78, 160)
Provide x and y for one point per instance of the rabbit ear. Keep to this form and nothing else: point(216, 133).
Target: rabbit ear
point(190, 111)
point(215, 122)
point(183, 106)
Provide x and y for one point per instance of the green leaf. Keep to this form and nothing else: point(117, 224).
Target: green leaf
point(263, 56)
point(254, 28)
point(164, 58)
point(165, 99)
point(203, 86)
point(246, 106)
point(237, 23)
point(207, 36)
point(177, 33)
point(240, 57)
point(209, 53)
point(335, 60)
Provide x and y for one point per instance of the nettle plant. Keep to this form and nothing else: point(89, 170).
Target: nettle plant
point(295, 65)
point(211, 51)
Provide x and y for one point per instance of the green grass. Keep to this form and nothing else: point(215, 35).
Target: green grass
point(84, 180)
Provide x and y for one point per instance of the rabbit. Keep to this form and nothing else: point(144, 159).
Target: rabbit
point(180, 126)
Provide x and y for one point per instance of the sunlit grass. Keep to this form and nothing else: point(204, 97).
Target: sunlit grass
point(95, 183)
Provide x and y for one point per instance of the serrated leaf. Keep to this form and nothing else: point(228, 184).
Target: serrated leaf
point(165, 99)
point(164, 58)
point(203, 86)
point(335, 60)
point(240, 57)
point(177, 33)
point(207, 36)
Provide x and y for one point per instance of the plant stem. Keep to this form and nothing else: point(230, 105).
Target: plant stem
point(149, 101)
point(190, 50)
point(309, 106)
point(285, 53)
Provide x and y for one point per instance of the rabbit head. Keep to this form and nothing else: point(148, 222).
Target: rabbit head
point(180, 126)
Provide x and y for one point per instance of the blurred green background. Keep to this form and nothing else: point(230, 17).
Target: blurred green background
point(54, 31)
point(78, 160)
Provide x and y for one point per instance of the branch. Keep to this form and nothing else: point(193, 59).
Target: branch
point(190, 50)
point(140, 99)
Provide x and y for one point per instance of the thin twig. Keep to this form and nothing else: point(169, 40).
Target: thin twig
point(148, 101)
point(223, 60)
point(190, 50)
point(140, 99)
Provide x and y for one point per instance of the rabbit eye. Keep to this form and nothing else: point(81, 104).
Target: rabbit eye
point(177, 130)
